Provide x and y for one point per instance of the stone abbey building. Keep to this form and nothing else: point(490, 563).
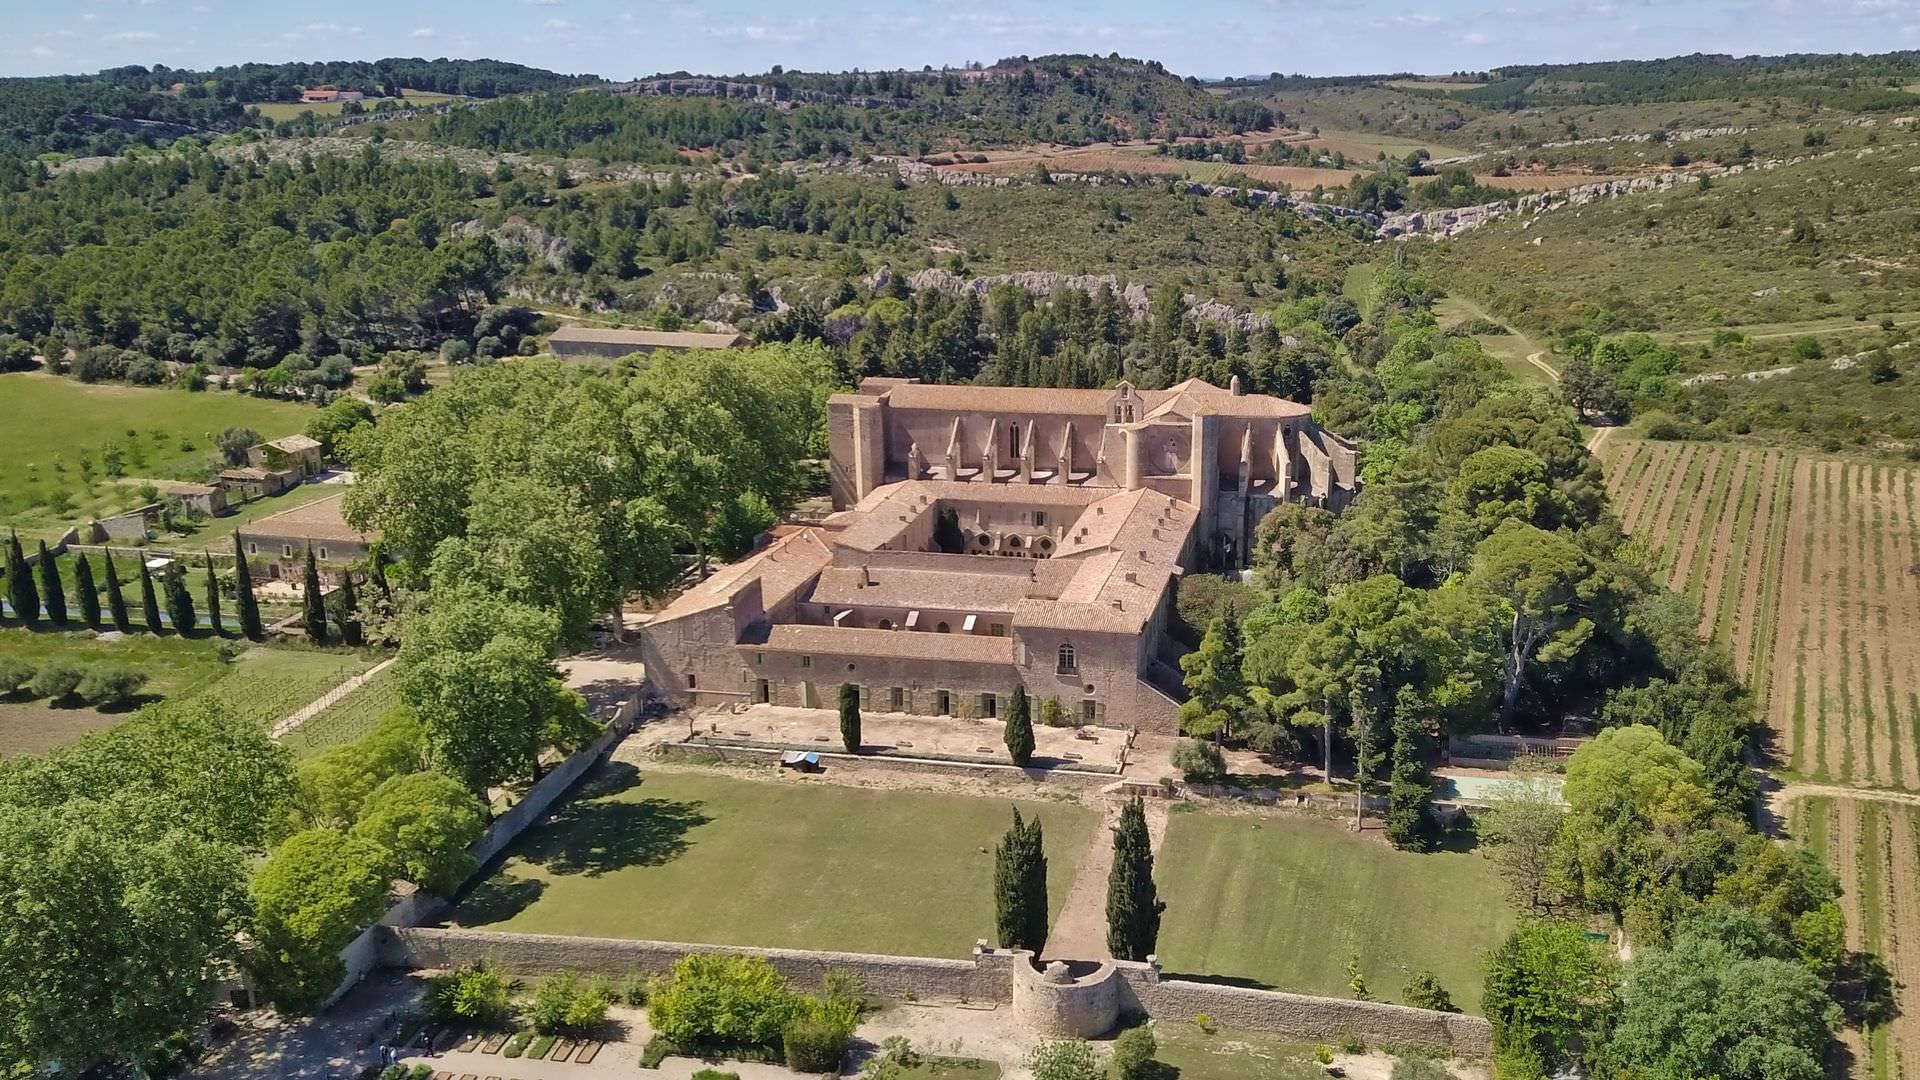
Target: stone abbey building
point(991, 536)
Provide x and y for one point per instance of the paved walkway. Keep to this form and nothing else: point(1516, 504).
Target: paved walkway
point(1080, 930)
point(330, 698)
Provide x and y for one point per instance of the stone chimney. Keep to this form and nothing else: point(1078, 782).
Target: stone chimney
point(1235, 388)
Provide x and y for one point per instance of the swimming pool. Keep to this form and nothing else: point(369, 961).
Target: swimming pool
point(1482, 788)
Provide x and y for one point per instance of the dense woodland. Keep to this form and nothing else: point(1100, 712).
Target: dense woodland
point(134, 106)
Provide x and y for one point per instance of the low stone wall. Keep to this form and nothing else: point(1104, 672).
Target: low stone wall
point(1281, 1013)
point(1088, 1000)
point(986, 977)
point(702, 751)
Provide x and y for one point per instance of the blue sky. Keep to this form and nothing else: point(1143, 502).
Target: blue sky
point(622, 38)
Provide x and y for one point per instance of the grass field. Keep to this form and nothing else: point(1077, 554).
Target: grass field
point(347, 719)
point(1805, 566)
point(1192, 1054)
point(48, 424)
point(1511, 349)
point(1287, 902)
point(1874, 849)
point(698, 857)
point(291, 110)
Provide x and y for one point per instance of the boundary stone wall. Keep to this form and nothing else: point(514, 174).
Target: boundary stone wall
point(1087, 1004)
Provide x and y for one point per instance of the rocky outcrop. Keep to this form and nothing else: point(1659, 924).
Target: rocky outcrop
point(1046, 283)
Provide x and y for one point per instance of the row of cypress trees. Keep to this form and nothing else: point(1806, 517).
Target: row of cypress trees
point(32, 600)
point(1134, 906)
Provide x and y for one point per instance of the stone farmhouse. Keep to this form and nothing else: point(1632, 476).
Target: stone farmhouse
point(276, 545)
point(1040, 544)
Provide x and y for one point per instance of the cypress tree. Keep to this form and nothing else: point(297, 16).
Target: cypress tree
point(89, 593)
point(53, 595)
point(1019, 730)
point(116, 601)
point(1020, 887)
point(149, 604)
point(311, 602)
point(243, 593)
point(179, 599)
point(1411, 825)
point(380, 579)
point(213, 598)
point(346, 610)
point(20, 591)
point(1133, 903)
point(850, 717)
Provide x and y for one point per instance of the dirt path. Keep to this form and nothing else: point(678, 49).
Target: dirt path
point(1080, 929)
point(1536, 358)
point(331, 697)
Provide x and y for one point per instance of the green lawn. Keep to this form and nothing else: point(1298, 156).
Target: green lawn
point(348, 719)
point(174, 665)
point(49, 424)
point(698, 857)
point(1287, 901)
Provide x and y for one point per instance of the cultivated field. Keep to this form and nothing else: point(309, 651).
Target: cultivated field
point(290, 110)
point(49, 424)
point(268, 685)
point(348, 719)
point(1874, 848)
point(1286, 902)
point(1804, 566)
point(690, 856)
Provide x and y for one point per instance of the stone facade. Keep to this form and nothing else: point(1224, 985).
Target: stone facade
point(277, 545)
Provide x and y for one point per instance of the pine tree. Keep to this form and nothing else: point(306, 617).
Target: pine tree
point(850, 717)
point(312, 611)
point(213, 598)
point(1020, 887)
point(89, 592)
point(149, 604)
point(346, 610)
point(243, 594)
point(1019, 730)
point(179, 599)
point(1411, 825)
point(53, 595)
point(1133, 903)
point(20, 591)
point(116, 601)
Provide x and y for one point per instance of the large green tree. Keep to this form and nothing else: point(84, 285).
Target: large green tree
point(424, 823)
point(212, 593)
point(313, 605)
point(149, 601)
point(1018, 731)
point(89, 592)
point(1548, 989)
point(1722, 1001)
point(179, 600)
point(315, 893)
point(250, 627)
point(1133, 903)
point(850, 717)
point(116, 600)
point(1548, 589)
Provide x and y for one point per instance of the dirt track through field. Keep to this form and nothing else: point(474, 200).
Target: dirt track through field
point(1903, 936)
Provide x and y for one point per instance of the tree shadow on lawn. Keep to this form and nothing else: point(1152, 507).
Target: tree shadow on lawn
point(497, 899)
point(597, 832)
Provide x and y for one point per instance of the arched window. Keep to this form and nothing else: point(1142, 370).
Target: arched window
point(1067, 664)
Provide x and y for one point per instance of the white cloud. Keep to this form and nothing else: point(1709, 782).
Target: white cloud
point(89, 17)
point(41, 51)
point(558, 24)
point(136, 35)
point(423, 32)
point(1475, 38)
point(541, 3)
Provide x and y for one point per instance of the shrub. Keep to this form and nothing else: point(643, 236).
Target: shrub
point(633, 989)
point(1519, 1062)
point(722, 1000)
point(1666, 427)
point(1068, 1059)
point(471, 993)
point(56, 679)
point(816, 1043)
point(14, 674)
point(1425, 992)
point(1133, 1052)
point(1350, 1042)
point(1200, 762)
point(110, 684)
point(658, 1049)
point(715, 1074)
point(1419, 1068)
point(1323, 1054)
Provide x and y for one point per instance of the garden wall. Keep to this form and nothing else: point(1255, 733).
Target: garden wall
point(1075, 1006)
point(984, 978)
point(364, 952)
